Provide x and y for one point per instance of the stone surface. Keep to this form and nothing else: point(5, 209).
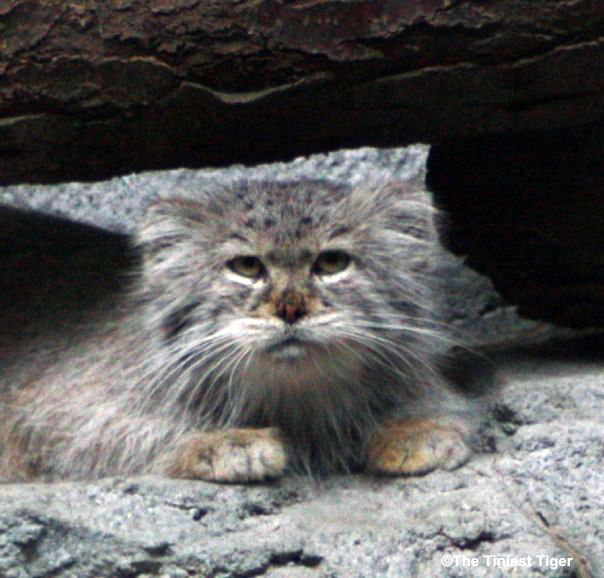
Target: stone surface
point(539, 491)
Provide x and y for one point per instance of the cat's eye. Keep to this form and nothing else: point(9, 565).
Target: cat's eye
point(246, 266)
point(331, 262)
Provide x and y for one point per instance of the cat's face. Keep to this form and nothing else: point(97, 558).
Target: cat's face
point(289, 274)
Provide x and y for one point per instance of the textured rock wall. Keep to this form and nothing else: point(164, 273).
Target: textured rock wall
point(92, 89)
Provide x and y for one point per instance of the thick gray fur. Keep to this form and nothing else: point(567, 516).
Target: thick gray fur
point(186, 349)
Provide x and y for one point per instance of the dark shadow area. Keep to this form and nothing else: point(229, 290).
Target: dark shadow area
point(586, 349)
point(472, 372)
point(528, 211)
point(53, 267)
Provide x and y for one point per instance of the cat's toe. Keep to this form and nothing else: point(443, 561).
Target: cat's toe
point(247, 455)
point(417, 446)
point(234, 455)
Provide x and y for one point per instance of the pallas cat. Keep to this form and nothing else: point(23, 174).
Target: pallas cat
point(269, 326)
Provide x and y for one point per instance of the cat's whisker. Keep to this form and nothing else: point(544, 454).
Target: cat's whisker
point(187, 359)
point(430, 328)
point(203, 382)
point(382, 347)
point(232, 402)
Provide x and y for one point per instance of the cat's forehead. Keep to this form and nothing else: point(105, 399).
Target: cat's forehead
point(289, 198)
point(282, 211)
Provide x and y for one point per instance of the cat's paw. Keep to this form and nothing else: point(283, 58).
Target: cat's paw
point(417, 446)
point(232, 455)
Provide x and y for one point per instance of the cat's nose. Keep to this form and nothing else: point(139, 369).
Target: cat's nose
point(291, 306)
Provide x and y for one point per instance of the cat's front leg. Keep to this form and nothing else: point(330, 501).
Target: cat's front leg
point(417, 446)
point(231, 455)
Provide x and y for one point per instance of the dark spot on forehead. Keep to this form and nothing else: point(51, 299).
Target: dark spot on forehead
point(268, 222)
point(305, 254)
point(340, 230)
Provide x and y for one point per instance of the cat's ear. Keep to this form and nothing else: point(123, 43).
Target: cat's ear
point(400, 206)
point(412, 210)
point(168, 222)
point(170, 232)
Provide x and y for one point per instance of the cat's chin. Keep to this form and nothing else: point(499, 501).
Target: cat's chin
point(288, 350)
point(301, 363)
